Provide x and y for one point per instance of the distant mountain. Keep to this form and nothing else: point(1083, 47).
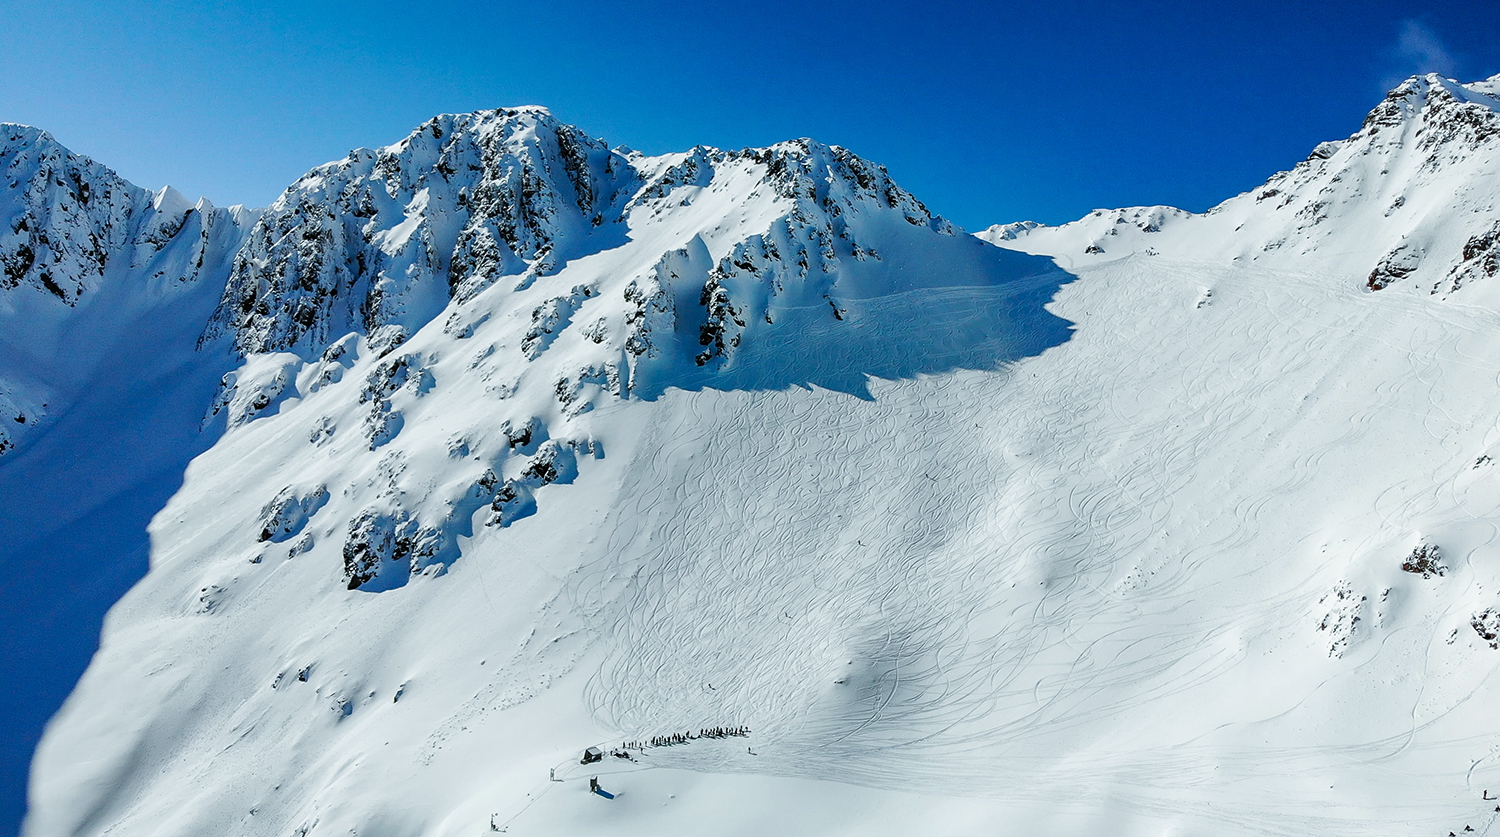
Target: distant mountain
point(1408, 199)
point(70, 221)
point(72, 231)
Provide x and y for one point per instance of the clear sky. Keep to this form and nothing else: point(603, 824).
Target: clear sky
point(988, 112)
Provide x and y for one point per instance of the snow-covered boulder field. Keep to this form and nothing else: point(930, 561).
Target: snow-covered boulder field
point(814, 513)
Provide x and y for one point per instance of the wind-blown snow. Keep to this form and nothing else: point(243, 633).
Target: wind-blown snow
point(537, 445)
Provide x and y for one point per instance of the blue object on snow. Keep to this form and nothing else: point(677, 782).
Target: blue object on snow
point(604, 793)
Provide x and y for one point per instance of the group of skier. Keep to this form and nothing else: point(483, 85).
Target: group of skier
point(684, 737)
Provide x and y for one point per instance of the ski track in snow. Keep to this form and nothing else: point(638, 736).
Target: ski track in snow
point(948, 704)
point(1039, 584)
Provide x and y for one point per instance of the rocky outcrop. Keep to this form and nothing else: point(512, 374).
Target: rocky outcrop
point(288, 512)
point(388, 237)
point(1479, 260)
point(1393, 267)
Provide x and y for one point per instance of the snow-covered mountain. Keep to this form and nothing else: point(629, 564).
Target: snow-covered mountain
point(1410, 198)
point(73, 235)
point(504, 275)
point(824, 515)
point(105, 290)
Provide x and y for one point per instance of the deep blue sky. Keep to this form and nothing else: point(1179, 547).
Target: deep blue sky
point(990, 113)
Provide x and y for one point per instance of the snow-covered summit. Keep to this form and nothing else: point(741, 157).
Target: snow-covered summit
point(1408, 199)
point(64, 215)
point(74, 235)
point(386, 238)
point(66, 218)
point(505, 253)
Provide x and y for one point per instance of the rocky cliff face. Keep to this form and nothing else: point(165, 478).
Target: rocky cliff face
point(388, 237)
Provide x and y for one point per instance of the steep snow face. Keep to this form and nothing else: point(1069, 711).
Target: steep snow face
point(68, 227)
point(1409, 199)
point(105, 290)
point(503, 252)
point(535, 266)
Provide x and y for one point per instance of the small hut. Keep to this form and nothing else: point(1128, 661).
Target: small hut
point(592, 755)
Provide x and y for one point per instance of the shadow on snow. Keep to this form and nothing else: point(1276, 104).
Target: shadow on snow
point(981, 312)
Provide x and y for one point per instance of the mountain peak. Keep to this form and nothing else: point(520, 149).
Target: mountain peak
point(389, 237)
point(1405, 187)
point(12, 133)
point(1431, 98)
point(71, 215)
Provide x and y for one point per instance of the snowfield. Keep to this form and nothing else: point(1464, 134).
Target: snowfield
point(825, 516)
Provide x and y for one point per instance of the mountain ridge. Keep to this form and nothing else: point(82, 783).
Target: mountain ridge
point(1113, 522)
point(1430, 136)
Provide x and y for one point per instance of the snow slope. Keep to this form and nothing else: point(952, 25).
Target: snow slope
point(104, 291)
point(537, 445)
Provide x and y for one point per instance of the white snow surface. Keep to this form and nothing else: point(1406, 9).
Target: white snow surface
point(769, 446)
